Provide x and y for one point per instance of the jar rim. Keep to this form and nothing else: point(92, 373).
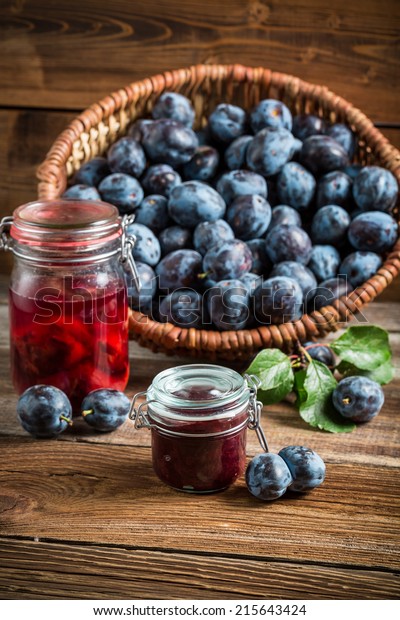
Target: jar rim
point(226, 393)
point(76, 225)
point(65, 214)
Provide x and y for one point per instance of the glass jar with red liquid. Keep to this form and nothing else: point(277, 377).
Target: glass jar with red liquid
point(68, 297)
point(199, 415)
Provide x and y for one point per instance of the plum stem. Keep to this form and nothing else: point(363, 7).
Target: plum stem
point(306, 354)
point(346, 401)
point(67, 420)
point(87, 412)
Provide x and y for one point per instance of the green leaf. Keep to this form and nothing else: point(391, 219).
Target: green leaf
point(314, 388)
point(383, 374)
point(273, 369)
point(364, 346)
point(299, 379)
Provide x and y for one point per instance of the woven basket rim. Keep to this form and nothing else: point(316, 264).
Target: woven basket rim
point(52, 179)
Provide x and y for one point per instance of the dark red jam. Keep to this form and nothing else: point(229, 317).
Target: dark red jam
point(77, 345)
point(203, 449)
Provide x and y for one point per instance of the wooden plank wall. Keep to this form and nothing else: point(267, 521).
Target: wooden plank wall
point(58, 56)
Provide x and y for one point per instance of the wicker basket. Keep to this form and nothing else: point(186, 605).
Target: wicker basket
point(92, 132)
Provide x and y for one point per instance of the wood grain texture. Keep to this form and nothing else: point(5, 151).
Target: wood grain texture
point(107, 572)
point(109, 494)
point(26, 136)
point(69, 54)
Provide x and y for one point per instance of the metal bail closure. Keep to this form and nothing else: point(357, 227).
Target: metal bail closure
point(127, 245)
point(255, 408)
point(5, 239)
point(137, 414)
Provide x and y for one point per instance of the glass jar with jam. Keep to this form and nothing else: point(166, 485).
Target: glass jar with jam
point(198, 415)
point(68, 296)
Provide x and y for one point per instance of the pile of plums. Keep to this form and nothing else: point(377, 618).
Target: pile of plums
point(253, 219)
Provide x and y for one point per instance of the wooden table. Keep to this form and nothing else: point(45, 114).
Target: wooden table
point(85, 516)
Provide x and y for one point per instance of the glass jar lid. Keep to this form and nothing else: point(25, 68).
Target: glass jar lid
point(65, 224)
point(197, 391)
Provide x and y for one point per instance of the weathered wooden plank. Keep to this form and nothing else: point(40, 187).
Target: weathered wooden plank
point(322, 43)
point(109, 494)
point(26, 136)
point(32, 570)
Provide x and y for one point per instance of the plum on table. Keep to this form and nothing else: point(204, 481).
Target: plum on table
point(320, 353)
point(105, 409)
point(268, 476)
point(44, 411)
point(306, 467)
point(358, 398)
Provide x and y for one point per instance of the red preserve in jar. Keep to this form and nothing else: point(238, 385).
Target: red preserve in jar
point(68, 297)
point(198, 415)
